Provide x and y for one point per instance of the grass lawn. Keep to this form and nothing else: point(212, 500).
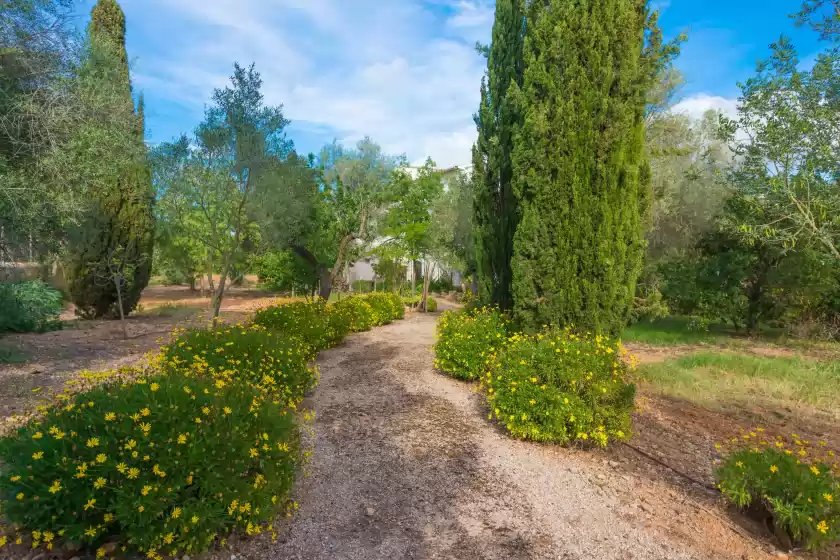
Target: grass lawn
point(721, 379)
point(674, 330)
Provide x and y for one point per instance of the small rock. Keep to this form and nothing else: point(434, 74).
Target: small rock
point(644, 507)
point(614, 464)
point(370, 511)
point(780, 554)
point(35, 370)
point(186, 557)
point(600, 476)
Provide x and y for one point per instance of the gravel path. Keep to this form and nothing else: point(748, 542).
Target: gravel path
point(406, 465)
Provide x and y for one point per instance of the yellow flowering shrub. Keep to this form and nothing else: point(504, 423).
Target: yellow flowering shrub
point(387, 307)
point(311, 321)
point(562, 387)
point(271, 362)
point(162, 466)
point(358, 311)
point(468, 341)
point(798, 483)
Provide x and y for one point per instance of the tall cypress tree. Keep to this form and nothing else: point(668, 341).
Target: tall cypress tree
point(110, 254)
point(581, 178)
point(496, 213)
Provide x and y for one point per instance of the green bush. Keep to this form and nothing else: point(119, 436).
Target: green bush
point(308, 320)
point(163, 466)
point(416, 301)
point(358, 311)
point(562, 387)
point(387, 307)
point(799, 485)
point(31, 306)
point(467, 341)
point(271, 362)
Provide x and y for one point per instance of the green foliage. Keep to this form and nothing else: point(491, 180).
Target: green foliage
point(273, 363)
point(283, 271)
point(358, 311)
point(650, 307)
point(161, 466)
point(29, 307)
point(579, 245)
point(468, 341)
point(416, 302)
point(496, 212)
point(562, 387)
point(327, 207)
point(799, 485)
point(109, 258)
point(729, 280)
point(211, 187)
point(306, 320)
point(786, 173)
point(386, 307)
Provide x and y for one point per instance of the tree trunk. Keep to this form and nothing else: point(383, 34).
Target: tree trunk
point(326, 283)
point(413, 277)
point(220, 294)
point(191, 280)
point(427, 279)
point(118, 284)
point(474, 286)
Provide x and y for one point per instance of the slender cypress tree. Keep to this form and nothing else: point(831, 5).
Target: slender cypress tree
point(496, 213)
point(581, 178)
point(110, 255)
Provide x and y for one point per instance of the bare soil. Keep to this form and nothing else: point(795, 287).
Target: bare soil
point(98, 345)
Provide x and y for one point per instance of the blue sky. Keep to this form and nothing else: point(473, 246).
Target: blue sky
point(401, 71)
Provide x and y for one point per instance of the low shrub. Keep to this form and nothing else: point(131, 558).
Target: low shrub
point(162, 466)
point(308, 320)
point(271, 362)
point(386, 307)
point(467, 341)
point(416, 303)
point(358, 312)
point(562, 387)
point(469, 299)
point(797, 484)
point(31, 306)
point(410, 301)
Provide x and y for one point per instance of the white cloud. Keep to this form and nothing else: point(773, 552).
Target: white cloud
point(472, 14)
point(397, 71)
point(696, 105)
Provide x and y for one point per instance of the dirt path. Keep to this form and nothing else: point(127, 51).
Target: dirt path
point(406, 465)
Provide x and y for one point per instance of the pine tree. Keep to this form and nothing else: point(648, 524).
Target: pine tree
point(581, 178)
point(496, 214)
point(110, 254)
